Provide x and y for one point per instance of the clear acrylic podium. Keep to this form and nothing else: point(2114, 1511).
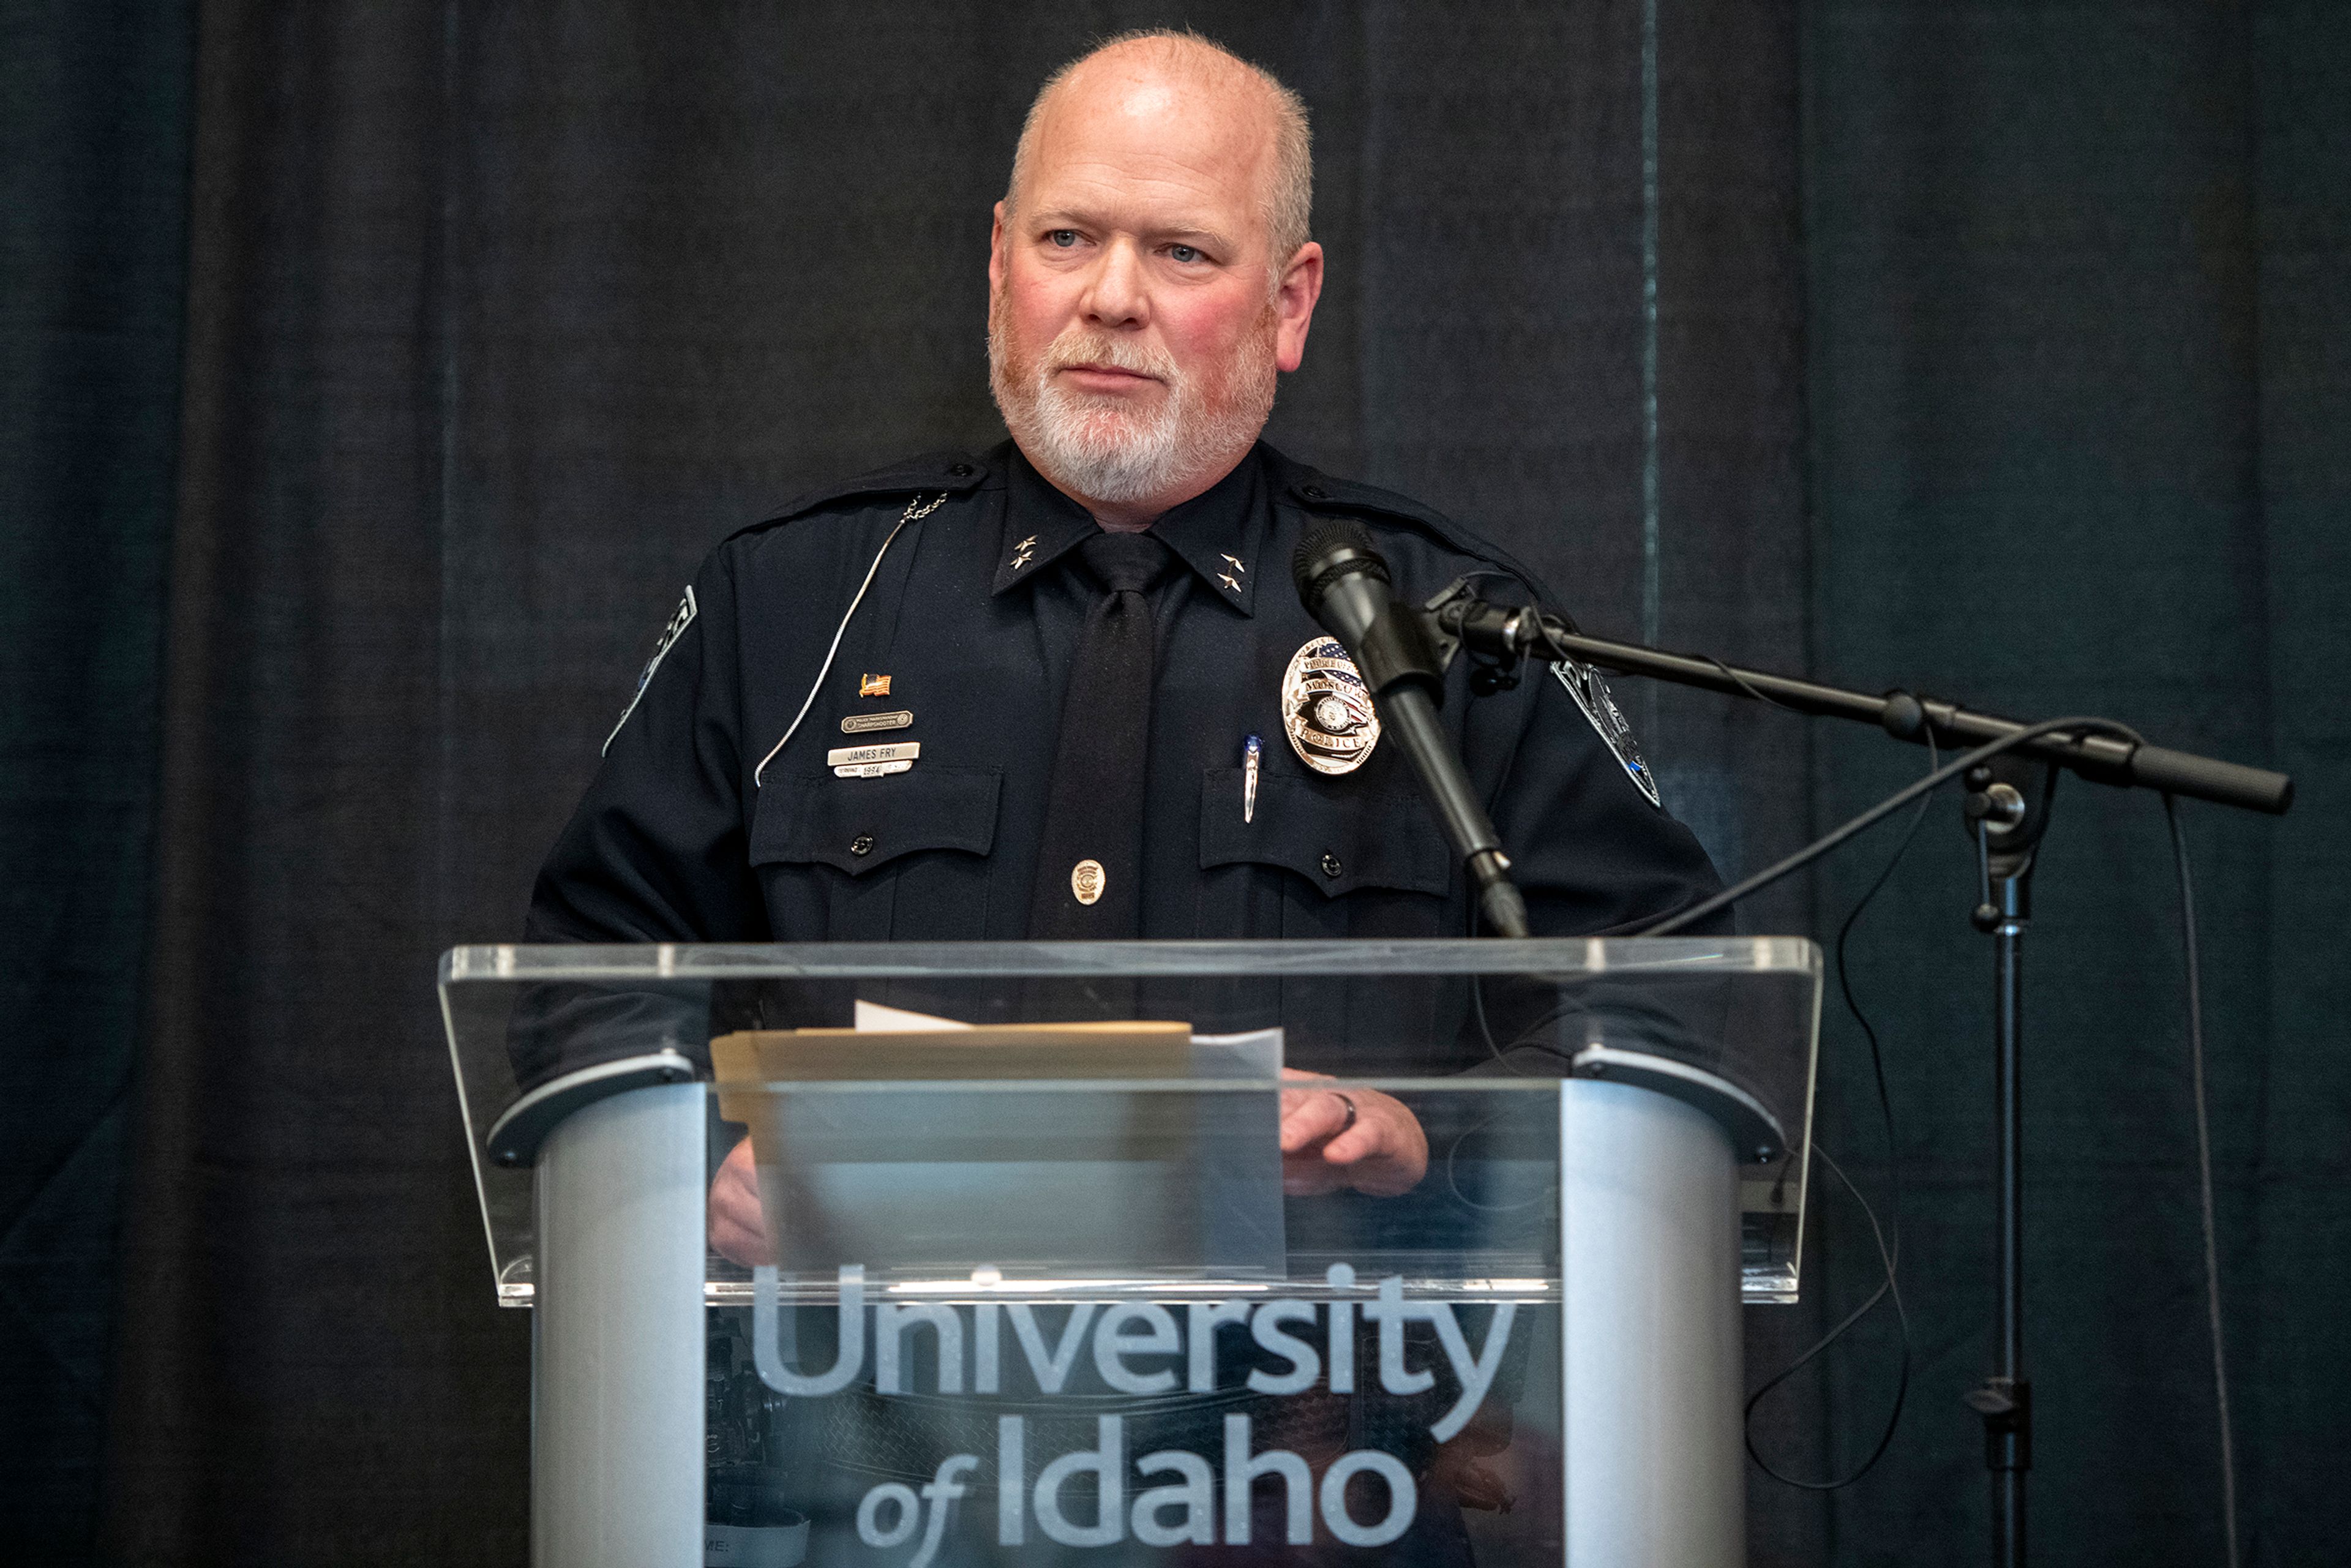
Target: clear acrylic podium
point(1032, 1281)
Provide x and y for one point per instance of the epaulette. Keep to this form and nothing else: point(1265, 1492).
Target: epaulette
point(954, 473)
point(1316, 491)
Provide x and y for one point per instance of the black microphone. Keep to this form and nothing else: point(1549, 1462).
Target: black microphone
point(1345, 585)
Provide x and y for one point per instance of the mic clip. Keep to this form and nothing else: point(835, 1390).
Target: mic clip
point(1495, 636)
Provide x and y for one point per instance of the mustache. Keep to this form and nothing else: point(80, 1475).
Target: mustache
point(1080, 346)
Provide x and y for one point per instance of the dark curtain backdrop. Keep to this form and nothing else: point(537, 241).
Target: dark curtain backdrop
point(2079, 385)
point(94, 101)
point(1993, 352)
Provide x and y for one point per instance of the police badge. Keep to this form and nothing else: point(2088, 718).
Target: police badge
point(1326, 709)
point(1590, 694)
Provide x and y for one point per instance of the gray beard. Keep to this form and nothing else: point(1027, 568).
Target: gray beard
point(1104, 450)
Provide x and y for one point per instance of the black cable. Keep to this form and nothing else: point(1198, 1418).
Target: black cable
point(1478, 1005)
point(1893, 1255)
point(1477, 919)
point(1902, 1384)
point(1878, 813)
point(1736, 679)
point(1868, 1030)
point(2204, 1172)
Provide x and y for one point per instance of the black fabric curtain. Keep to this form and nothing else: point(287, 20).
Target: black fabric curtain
point(1990, 352)
point(94, 108)
point(2078, 380)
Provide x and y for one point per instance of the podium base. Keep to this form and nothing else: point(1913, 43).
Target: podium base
point(1655, 1360)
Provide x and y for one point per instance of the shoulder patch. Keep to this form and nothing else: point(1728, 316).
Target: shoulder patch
point(1590, 694)
point(687, 611)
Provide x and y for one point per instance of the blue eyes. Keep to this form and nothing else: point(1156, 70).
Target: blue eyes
point(1069, 239)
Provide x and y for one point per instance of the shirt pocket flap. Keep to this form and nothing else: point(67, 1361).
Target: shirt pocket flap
point(860, 824)
point(1337, 842)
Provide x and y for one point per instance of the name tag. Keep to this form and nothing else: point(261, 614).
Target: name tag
point(871, 769)
point(857, 755)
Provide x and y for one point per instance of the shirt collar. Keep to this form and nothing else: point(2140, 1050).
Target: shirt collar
point(1041, 525)
point(1216, 533)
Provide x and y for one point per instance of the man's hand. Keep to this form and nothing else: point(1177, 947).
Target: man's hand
point(1382, 1153)
point(738, 1227)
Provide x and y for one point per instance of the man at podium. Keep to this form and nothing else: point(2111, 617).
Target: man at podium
point(1063, 689)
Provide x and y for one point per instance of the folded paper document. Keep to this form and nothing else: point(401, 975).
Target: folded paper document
point(1010, 1147)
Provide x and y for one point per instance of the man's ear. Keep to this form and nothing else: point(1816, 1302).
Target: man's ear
point(996, 253)
point(1293, 305)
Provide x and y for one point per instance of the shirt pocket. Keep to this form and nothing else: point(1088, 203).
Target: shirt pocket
point(904, 858)
point(1358, 863)
point(1320, 862)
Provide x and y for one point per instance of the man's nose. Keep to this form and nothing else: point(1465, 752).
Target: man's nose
point(1118, 296)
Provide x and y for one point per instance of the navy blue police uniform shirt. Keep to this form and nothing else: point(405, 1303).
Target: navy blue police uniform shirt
point(693, 832)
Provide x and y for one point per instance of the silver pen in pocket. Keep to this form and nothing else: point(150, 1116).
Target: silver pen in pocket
point(1251, 749)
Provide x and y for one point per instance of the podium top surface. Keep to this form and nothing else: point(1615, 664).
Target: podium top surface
point(1562, 957)
point(1466, 1032)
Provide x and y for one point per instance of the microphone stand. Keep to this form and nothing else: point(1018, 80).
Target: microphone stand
point(2006, 808)
point(2010, 814)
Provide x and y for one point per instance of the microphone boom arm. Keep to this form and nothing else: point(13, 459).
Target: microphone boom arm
point(1505, 634)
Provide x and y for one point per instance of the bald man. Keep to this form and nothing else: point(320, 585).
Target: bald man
point(1149, 274)
point(1064, 688)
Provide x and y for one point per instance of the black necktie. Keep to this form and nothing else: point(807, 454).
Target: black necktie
point(1089, 870)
